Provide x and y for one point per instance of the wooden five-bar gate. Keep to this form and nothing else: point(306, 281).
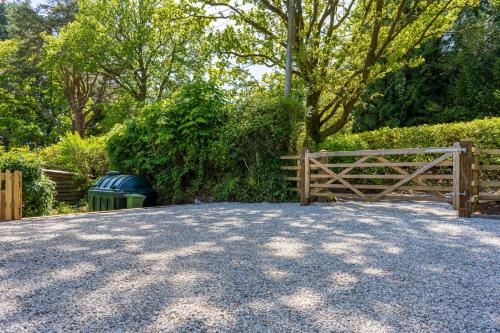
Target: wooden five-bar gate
point(448, 174)
point(11, 207)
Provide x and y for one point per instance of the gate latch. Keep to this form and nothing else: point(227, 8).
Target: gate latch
point(457, 194)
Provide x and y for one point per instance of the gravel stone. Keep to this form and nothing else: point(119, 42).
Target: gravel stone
point(231, 267)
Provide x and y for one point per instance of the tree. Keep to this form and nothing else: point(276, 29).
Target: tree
point(67, 54)
point(32, 106)
point(435, 91)
point(147, 48)
point(3, 21)
point(26, 119)
point(340, 45)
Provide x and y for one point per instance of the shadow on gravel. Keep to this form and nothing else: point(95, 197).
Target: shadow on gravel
point(252, 267)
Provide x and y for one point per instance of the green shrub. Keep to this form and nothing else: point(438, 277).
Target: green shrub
point(195, 145)
point(484, 133)
point(38, 189)
point(170, 141)
point(86, 157)
point(61, 208)
point(250, 145)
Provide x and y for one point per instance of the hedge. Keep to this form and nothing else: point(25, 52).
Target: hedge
point(196, 145)
point(484, 133)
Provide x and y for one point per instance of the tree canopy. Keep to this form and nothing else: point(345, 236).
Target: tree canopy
point(340, 45)
point(86, 65)
point(458, 80)
point(148, 48)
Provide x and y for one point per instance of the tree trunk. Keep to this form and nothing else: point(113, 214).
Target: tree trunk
point(312, 119)
point(78, 122)
point(289, 48)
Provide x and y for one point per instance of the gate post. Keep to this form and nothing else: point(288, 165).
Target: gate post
point(298, 174)
point(322, 160)
point(465, 180)
point(456, 176)
point(304, 177)
point(476, 176)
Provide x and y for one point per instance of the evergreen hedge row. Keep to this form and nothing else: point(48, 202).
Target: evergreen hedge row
point(483, 132)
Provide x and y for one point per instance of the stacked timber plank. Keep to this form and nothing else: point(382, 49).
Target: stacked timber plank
point(67, 190)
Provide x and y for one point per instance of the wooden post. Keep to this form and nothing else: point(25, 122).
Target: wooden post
point(299, 177)
point(304, 177)
point(20, 194)
point(8, 195)
point(2, 197)
point(456, 175)
point(476, 176)
point(307, 178)
point(322, 160)
point(17, 195)
point(465, 188)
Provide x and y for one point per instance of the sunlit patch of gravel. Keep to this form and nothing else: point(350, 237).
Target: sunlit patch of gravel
point(230, 267)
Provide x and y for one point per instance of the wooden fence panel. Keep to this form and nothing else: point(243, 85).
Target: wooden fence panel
point(11, 195)
point(67, 190)
point(18, 195)
point(8, 196)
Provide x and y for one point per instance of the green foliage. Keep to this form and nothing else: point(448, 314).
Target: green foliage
point(86, 157)
point(38, 189)
point(435, 91)
point(31, 102)
point(169, 141)
point(249, 148)
point(148, 48)
point(195, 146)
point(61, 208)
point(27, 117)
point(339, 48)
point(484, 133)
point(3, 21)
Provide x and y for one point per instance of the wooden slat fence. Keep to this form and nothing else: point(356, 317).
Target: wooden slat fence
point(11, 192)
point(67, 190)
point(445, 174)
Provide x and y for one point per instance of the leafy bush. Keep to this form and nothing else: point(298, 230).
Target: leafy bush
point(61, 208)
point(38, 189)
point(86, 157)
point(250, 145)
point(484, 133)
point(169, 142)
point(194, 145)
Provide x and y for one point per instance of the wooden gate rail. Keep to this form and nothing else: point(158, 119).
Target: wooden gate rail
point(458, 181)
point(484, 190)
point(11, 207)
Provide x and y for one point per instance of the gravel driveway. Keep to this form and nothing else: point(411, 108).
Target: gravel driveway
point(347, 267)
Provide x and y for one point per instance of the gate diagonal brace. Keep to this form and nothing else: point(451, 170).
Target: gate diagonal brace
point(343, 172)
point(340, 179)
point(403, 172)
point(413, 175)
